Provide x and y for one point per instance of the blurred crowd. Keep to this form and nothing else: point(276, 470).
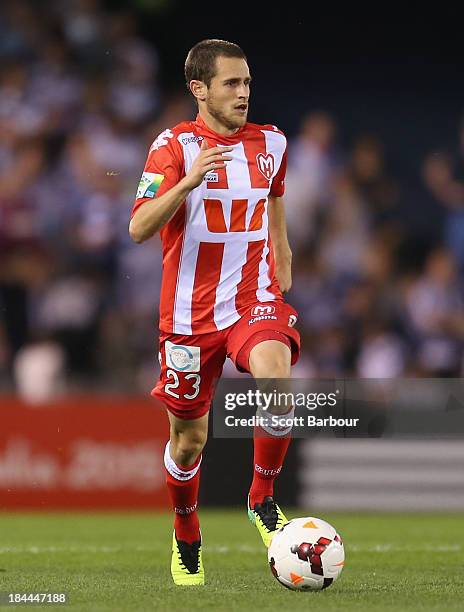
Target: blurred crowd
point(378, 261)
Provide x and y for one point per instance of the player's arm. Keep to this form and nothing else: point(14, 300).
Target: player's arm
point(151, 217)
point(279, 240)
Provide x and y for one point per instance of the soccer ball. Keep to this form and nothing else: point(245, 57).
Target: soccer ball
point(306, 554)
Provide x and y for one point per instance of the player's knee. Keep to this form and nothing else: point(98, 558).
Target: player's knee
point(270, 365)
point(187, 446)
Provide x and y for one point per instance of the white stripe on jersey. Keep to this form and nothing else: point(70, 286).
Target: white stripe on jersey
point(234, 259)
point(275, 144)
point(234, 170)
point(187, 266)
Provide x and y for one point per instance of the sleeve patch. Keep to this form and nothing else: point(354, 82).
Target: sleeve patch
point(149, 185)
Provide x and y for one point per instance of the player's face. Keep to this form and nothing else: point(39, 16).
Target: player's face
point(229, 92)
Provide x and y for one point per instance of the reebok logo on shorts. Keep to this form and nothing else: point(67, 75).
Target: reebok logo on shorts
point(182, 358)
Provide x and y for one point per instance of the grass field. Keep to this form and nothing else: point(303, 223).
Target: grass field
point(121, 562)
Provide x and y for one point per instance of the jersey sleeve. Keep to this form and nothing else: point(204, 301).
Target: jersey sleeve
point(278, 182)
point(163, 169)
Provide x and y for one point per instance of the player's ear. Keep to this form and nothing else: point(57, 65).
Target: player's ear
point(198, 89)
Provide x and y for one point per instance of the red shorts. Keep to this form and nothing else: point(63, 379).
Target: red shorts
point(190, 365)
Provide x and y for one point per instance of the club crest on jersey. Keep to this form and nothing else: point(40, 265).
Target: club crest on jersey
point(266, 165)
point(292, 320)
point(182, 358)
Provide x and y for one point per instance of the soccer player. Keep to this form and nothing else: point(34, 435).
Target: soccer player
point(213, 189)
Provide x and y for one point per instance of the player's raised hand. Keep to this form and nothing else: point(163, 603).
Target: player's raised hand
point(209, 158)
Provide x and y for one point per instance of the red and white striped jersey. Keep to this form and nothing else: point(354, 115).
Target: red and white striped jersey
point(217, 256)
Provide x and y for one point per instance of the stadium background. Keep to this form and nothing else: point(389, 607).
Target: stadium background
point(371, 102)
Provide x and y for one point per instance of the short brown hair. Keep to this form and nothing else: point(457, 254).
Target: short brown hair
point(200, 64)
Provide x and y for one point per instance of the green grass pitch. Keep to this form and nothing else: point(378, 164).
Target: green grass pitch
point(121, 562)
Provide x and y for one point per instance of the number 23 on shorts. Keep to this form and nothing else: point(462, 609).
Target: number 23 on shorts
point(183, 363)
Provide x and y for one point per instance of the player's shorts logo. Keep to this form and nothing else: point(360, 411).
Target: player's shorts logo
point(182, 358)
point(292, 320)
point(259, 311)
point(266, 165)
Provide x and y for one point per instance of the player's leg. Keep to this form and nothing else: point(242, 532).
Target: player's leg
point(267, 346)
point(189, 366)
point(269, 362)
point(182, 460)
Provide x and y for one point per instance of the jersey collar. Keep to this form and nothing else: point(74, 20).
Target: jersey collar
point(206, 131)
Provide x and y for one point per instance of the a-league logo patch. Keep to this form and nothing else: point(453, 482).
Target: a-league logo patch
point(182, 358)
point(149, 184)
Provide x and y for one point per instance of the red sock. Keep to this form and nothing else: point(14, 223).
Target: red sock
point(269, 455)
point(183, 482)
